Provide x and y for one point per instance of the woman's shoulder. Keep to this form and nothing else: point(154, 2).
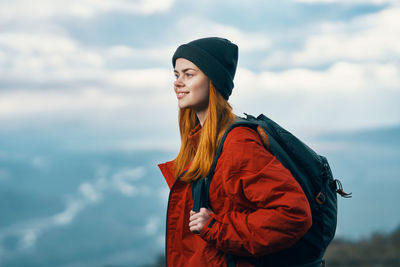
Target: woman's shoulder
point(242, 134)
point(243, 142)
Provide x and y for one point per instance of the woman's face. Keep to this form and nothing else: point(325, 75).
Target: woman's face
point(191, 86)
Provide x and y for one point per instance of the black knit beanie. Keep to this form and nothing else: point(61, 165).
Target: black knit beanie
point(216, 57)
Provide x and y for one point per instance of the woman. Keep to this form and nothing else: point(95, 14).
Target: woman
point(257, 207)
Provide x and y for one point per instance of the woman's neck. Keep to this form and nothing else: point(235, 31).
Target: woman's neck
point(201, 116)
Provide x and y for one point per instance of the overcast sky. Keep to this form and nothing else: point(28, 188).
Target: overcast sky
point(95, 70)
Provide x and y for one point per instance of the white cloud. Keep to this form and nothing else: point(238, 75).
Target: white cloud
point(45, 9)
point(67, 215)
point(44, 57)
point(345, 96)
point(88, 193)
point(343, 81)
point(28, 103)
point(55, 78)
point(125, 53)
point(47, 57)
point(373, 37)
point(40, 162)
point(103, 109)
point(129, 174)
point(121, 181)
point(145, 79)
point(247, 41)
point(81, 83)
point(29, 238)
point(152, 225)
point(24, 43)
point(341, 78)
point(63, 79)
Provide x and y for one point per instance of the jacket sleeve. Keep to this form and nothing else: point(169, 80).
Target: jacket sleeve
point(271, 210)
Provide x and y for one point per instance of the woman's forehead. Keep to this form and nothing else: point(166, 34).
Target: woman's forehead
point(183, 63)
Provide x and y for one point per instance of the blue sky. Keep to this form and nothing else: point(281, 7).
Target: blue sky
point(89, 71)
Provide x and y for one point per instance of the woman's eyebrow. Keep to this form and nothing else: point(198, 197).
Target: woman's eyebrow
point(185, 70)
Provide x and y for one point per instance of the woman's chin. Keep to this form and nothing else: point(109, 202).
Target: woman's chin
point(183, 105)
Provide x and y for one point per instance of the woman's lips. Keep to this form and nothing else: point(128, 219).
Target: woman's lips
point(181, 94)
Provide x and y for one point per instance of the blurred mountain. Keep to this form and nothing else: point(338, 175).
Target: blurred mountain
point(377, 250)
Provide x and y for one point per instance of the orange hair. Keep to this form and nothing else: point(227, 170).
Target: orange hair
point(219, 117)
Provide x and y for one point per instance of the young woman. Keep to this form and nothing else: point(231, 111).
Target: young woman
point(257, 207)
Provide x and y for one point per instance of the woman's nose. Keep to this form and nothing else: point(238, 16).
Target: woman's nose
point(178, 82)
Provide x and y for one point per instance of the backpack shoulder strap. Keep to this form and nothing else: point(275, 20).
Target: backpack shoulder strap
point(239, 122)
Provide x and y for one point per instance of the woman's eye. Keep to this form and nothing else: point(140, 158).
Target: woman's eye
point(189, 74)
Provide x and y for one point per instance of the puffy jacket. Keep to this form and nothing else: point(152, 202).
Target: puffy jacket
point(258, 206)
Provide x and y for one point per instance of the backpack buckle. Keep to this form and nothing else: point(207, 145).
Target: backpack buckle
point(320, 198)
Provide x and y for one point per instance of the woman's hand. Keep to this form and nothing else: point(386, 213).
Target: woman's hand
point(197, 220)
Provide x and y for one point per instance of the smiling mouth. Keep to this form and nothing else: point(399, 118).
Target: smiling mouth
point(181, 94)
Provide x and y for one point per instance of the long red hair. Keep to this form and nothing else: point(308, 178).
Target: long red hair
point(219, 117)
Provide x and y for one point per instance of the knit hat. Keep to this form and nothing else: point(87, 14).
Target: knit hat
point(216, 57)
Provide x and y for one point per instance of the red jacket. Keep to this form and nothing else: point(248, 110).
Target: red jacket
point(258, 206)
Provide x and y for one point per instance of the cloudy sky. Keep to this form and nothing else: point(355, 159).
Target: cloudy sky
point(98, 75)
